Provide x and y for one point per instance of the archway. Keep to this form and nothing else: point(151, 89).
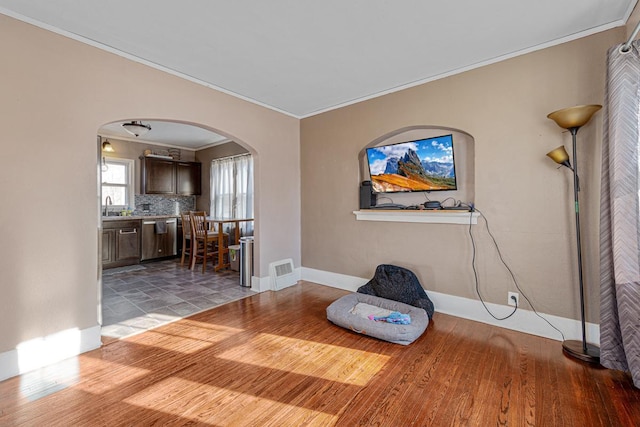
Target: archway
point(123, 308)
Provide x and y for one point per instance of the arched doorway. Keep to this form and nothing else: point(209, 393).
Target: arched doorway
point(138, 292)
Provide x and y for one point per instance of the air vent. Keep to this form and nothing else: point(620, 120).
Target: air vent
point(282, 274)
point(283, 269)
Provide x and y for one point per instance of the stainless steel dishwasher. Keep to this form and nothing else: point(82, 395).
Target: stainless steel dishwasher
point(159, 241)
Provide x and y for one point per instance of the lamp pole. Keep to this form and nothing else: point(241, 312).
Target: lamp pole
point(572, 119)
point(576, 189)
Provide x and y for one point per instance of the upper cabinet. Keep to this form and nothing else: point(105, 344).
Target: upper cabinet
point(163, 176)
point(188, 178)
point(158, 176)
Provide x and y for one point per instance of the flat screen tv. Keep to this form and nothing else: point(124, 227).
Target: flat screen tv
point(422, 165)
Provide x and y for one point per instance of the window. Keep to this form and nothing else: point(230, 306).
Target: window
point(117, 182)
point(232, 189)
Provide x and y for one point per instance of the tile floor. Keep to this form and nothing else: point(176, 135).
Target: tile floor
point(138, 298)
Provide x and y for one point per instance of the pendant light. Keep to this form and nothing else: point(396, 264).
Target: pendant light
point(136, 128)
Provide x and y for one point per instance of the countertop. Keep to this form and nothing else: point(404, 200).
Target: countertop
point(135, 217)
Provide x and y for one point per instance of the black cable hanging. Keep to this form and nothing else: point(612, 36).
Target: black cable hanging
point(515, 282)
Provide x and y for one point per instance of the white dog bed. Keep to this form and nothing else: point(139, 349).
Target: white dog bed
point(352, 312)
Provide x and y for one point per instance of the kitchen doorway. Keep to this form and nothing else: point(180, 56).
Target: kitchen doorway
point(147, 294)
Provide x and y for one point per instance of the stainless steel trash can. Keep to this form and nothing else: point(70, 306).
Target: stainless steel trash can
point(246, 261)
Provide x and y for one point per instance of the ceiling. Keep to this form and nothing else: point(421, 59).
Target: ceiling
point(170, 134)
point(302, 58)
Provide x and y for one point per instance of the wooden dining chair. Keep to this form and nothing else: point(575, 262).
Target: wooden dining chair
point(187, 241)
point(204, 242)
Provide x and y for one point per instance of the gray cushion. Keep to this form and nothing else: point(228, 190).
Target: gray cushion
point(340, 313)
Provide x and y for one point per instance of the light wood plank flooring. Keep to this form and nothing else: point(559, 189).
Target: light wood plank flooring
point(273, 359)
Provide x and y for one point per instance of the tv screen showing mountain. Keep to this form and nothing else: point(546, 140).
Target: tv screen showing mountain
point(422, 165)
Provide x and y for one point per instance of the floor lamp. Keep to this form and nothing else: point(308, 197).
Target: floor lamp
point(572, 119)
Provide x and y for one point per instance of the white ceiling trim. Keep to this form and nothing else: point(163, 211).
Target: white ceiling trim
point(134, 58)
point(497, 59)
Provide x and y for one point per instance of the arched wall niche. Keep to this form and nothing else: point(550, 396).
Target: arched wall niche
point(464, 153)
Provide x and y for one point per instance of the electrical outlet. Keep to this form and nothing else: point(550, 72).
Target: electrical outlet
point(510, 297)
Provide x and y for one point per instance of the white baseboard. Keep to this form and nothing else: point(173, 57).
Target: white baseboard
point(39, 352)
point(262, 284)
point(335, 280)
point(522, 321)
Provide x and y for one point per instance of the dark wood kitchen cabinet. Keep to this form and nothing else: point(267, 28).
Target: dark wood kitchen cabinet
point(188, 178)
point(120, 243)
point(163, 176)
point(158, 176)
point(108, 247)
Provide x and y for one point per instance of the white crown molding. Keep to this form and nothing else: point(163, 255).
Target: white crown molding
point(461, 70)
point(134, 58)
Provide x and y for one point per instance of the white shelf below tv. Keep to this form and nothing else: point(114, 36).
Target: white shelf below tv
point(426, 216)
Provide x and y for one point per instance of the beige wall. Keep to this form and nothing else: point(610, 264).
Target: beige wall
point(526, 199)
point(56, 93)
point(203, 202)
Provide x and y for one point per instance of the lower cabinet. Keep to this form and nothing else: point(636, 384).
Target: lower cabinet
point(120, 243)
point(108, 247)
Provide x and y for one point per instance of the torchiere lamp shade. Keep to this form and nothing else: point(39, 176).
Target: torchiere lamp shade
point(574, 117)
point(560, 156)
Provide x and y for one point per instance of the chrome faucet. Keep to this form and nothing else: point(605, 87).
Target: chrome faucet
point(107, 203)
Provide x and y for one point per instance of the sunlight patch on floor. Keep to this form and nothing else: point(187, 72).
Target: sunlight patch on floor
point(184, 336)
point(200, 330)
point(221, 407)
point(308, 358)
point(49, 379)
point(137, 325)
point(173, 343)
point(105, 376)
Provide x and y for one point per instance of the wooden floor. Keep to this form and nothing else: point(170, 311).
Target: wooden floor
point(273, 359)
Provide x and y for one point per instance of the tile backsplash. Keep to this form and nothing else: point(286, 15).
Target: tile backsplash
point(153, 204)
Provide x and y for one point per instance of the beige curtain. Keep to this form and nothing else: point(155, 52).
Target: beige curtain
point(620, 215)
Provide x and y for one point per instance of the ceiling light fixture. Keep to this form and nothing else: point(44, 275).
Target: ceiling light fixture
point(136, 128)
